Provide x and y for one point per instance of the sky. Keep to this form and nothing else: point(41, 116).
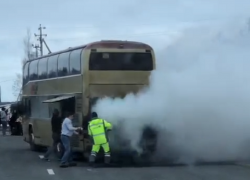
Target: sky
point(76, 22)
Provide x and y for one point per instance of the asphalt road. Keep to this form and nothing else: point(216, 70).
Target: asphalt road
point(18, 163)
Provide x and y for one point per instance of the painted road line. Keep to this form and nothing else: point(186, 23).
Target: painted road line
point(50, 171)
point(91, 170)
point(41, 156)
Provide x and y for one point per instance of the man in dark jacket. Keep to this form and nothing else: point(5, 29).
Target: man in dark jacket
point(56, 124)
point(12, 122)
point(3, 116)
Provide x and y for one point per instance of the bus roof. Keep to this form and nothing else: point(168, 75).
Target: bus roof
point(102, 44)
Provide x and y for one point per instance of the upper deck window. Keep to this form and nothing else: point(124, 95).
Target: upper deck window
point(52, 66)
point(33, 70)
point(63, 64)
point(105, 61)
point(75, 62)
point(42, 68)
point(26, 73)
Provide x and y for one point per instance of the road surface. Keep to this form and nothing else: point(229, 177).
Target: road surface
point(18, 163)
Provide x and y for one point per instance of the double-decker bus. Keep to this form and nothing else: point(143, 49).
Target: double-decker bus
point(73, 79)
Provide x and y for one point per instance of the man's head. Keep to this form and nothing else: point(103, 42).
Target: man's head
point(70, 115)
point(3, 108)
point(94, 115)
point(56, 112)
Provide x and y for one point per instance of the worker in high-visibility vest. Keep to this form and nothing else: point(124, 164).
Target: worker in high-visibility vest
point(97, 129)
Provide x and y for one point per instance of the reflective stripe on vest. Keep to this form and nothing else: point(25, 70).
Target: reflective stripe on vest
point(99, 134)
point(95, 124)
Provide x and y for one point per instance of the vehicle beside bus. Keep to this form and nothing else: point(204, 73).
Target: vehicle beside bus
point(74, 79)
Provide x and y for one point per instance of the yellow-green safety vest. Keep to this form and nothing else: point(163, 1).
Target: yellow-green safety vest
point(97, 129)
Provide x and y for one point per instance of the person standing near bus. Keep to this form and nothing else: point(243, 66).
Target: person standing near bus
point(19, 125)
point(67, 131)
point(3, 120)
point(12, 122)
point(97, 129)
point(56, 125)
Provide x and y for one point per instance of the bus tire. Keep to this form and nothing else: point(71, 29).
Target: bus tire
point(59, 150)
point(33, 146)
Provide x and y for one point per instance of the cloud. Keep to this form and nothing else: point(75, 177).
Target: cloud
point(75, 23)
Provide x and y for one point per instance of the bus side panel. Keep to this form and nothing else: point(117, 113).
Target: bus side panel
point(42, 131)
point(78, 108)
point(36, 131)
point(25, 126)
point(85, 100)
point(77, 122)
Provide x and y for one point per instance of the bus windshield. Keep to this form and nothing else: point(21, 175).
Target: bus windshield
point(121, 61)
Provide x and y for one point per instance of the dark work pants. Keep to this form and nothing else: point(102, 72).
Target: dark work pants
point(51, 149)
point(19, 128)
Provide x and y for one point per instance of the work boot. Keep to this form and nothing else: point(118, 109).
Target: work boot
point(92, 158)
point(72, 164)
point(107, 159)
point(45, 159)
point(92, 164)
point(64, 165)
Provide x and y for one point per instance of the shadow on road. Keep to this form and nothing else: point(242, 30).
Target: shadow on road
point(166, 164)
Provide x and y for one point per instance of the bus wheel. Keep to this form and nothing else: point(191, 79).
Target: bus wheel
point(59, 150)
point(33, 147)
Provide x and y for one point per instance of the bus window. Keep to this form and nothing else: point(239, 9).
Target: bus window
point(26, 73)
point(102, 61)
point(33, 70)
point(42, 68)
point(52, 66)
point(68, 105)
point(75, 62)
point(63, 64)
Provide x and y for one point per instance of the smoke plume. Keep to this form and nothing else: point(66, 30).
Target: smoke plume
point(198, 99)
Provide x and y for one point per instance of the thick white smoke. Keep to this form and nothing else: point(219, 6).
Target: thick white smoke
point(199, 98)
